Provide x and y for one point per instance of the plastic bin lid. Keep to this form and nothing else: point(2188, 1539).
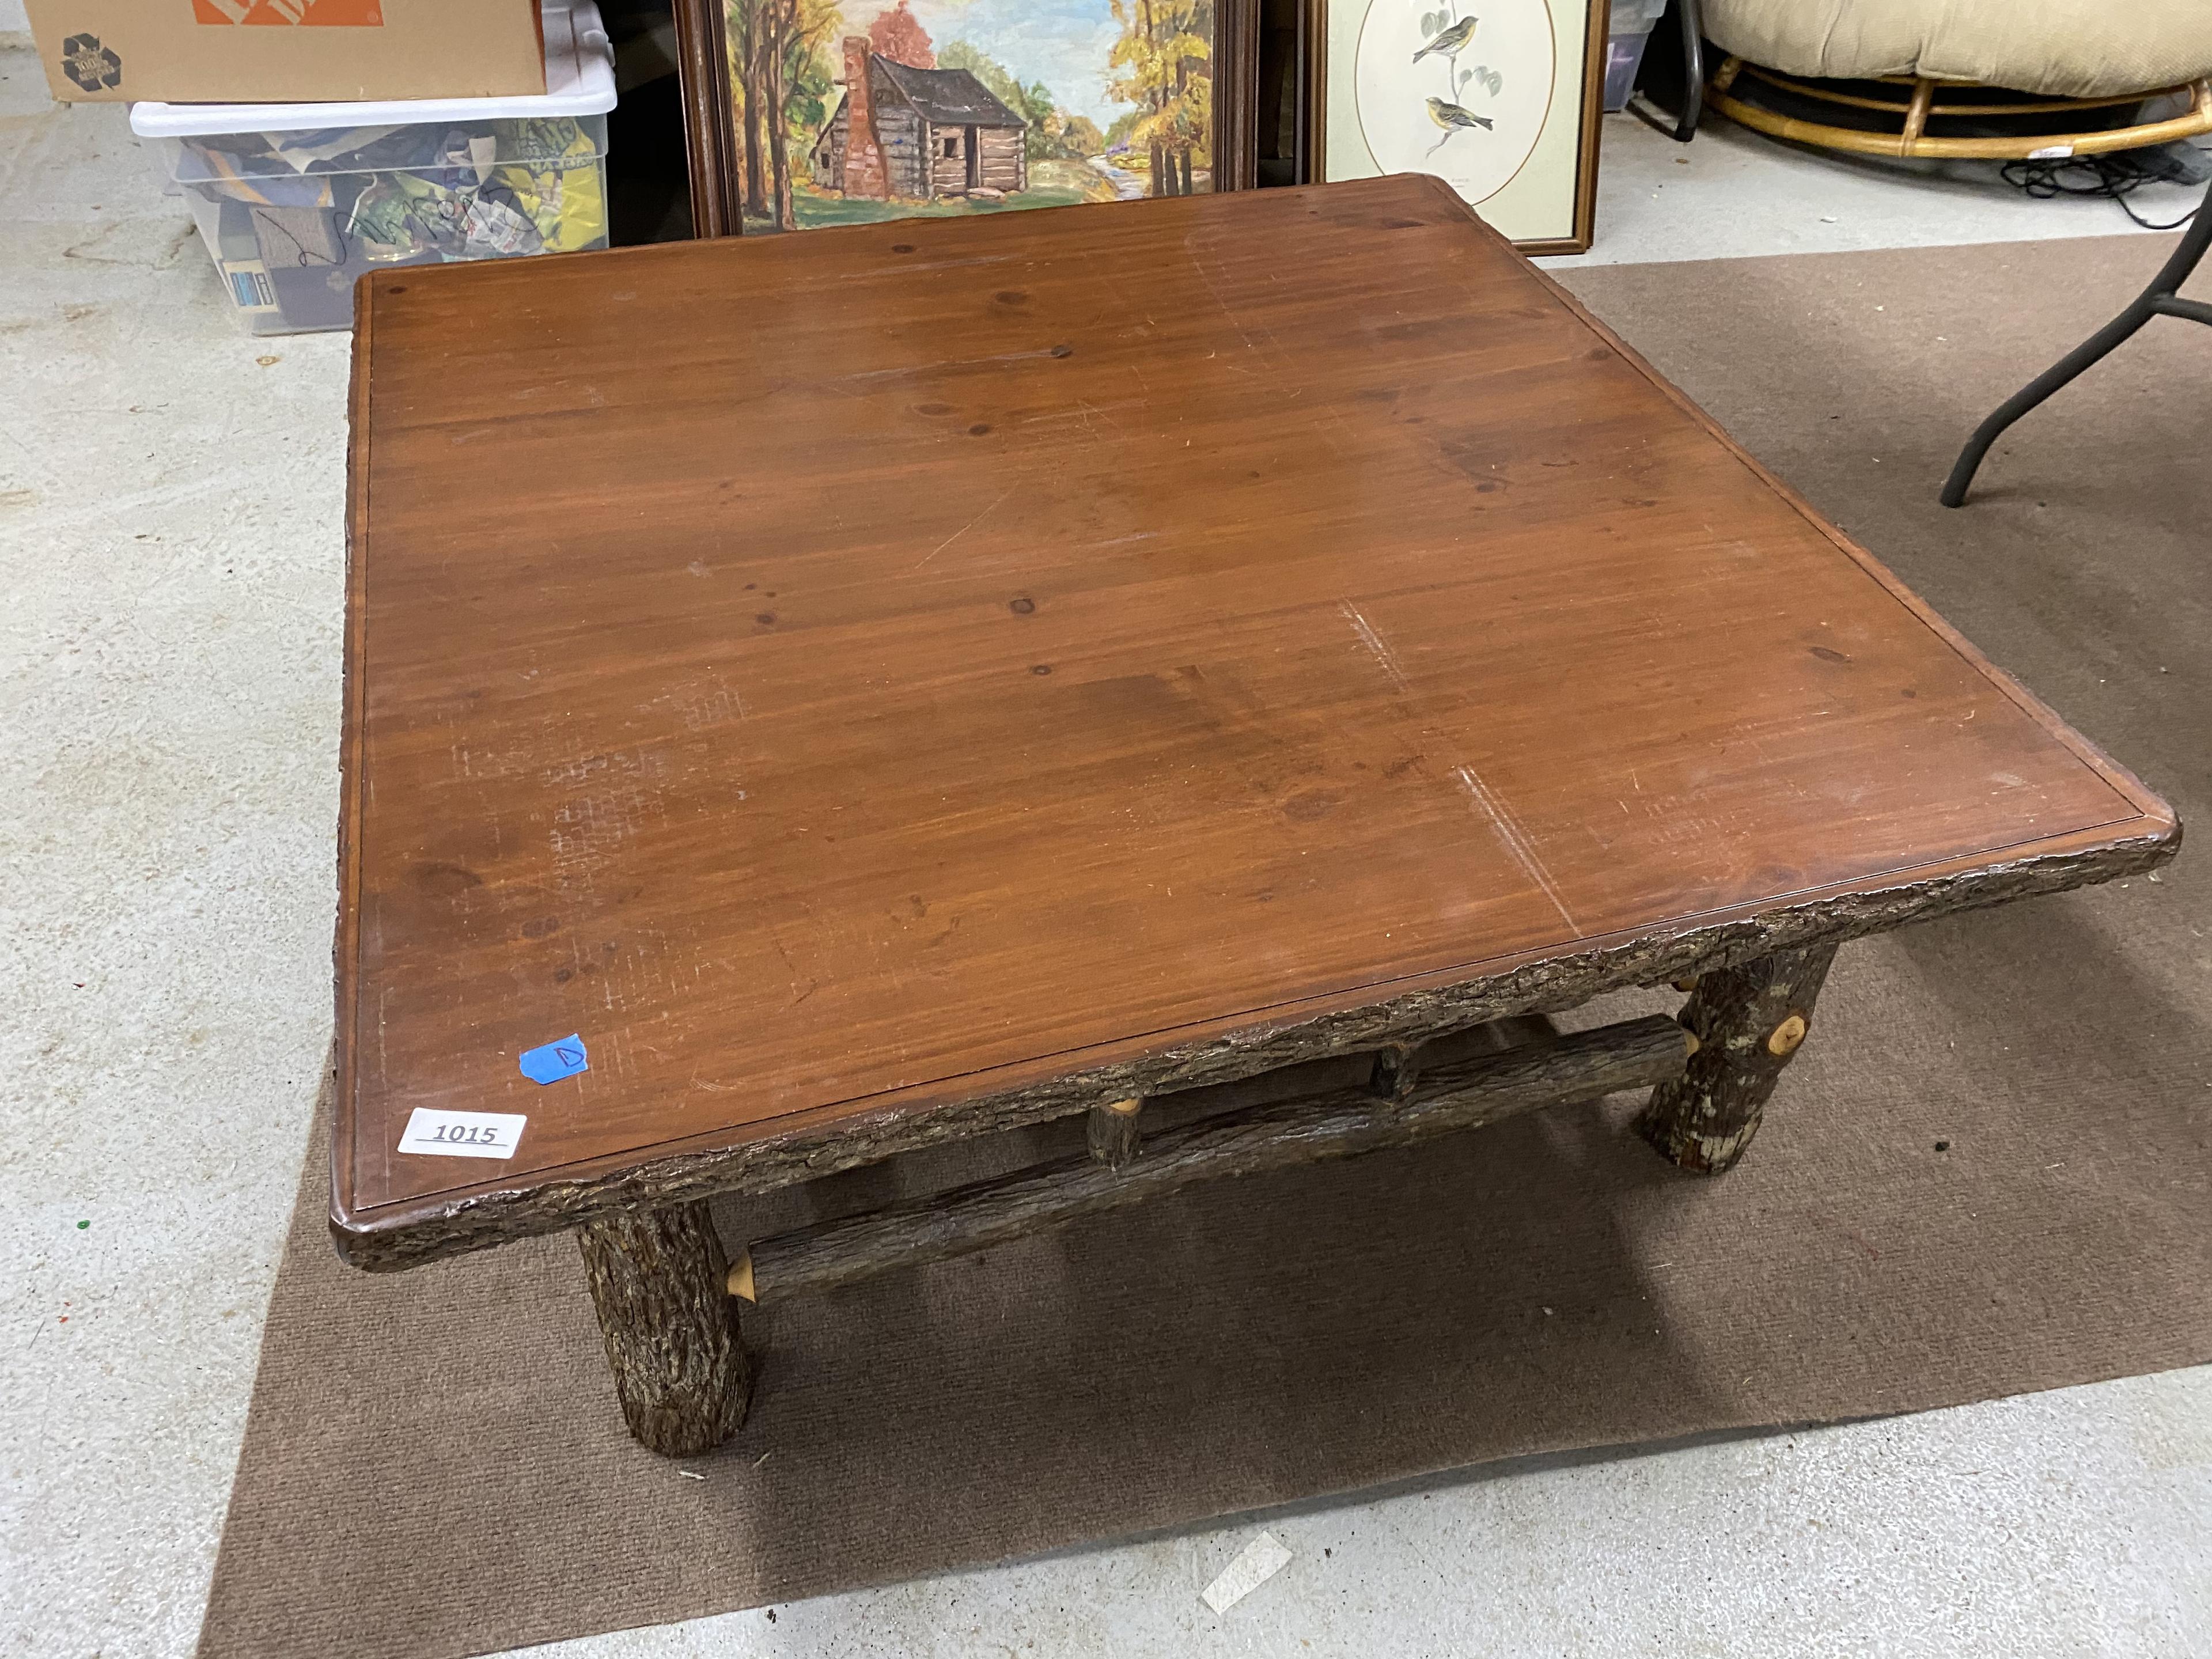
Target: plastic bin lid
point(579, 80)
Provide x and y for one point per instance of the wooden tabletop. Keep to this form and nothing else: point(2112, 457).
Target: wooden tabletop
point(891, 681)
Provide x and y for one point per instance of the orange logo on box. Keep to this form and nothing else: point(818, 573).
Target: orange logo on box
point(343, 14)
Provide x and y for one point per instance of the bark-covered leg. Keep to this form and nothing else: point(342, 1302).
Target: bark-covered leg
point(1112, 1133)
point(659, 1279)
point(1748, 1021)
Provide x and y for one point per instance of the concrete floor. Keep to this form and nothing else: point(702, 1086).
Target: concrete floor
point(1733, 194)
point(170, 546)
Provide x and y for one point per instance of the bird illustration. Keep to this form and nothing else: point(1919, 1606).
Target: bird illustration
point(1450, 41)
point(1452, 119)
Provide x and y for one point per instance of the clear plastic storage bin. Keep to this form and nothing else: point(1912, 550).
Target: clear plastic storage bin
point(1627, 34)
point(294, 201)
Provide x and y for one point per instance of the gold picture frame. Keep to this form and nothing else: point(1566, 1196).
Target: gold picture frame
point(1500, 98)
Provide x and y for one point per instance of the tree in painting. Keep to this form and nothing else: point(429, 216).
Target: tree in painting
point(1164, 58)
point(897, 35)
point(781, 82)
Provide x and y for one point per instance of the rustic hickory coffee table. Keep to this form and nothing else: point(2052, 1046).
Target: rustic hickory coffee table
point(1225, 665)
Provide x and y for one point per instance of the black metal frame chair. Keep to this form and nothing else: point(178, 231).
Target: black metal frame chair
point(2161, 299)
point(1691, 17)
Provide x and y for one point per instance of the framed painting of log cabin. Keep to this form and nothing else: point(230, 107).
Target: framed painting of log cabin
point(808, 112)
point(1499, 98)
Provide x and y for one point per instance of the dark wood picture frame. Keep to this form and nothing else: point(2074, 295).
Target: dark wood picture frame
point(715, 148)
point(1313, 116)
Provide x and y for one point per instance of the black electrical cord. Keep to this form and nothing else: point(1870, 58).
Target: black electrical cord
point(2117, 176)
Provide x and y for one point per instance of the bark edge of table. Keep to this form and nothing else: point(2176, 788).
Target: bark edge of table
point(430, 1230)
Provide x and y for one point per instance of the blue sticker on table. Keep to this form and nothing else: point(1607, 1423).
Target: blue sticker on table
point(555, 1060)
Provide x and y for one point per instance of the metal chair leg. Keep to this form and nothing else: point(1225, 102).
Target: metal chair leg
point(1691, 15)
point(2159, 300)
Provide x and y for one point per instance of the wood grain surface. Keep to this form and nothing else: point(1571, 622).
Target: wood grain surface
point(905, 680)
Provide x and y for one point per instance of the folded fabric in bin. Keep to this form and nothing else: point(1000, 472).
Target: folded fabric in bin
point(302, 151)
point(401, 213)
point(547, 197)
point(553, 176)
point(292, 169)
point(301, 237)
point(508, 188)
point(217, 171)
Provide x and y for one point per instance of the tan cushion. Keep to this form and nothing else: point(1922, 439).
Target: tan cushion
point(2066, 48)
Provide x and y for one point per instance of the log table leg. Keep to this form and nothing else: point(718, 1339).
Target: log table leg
point(1112, 1133)
point(659, 1280)
point(1748, 1021)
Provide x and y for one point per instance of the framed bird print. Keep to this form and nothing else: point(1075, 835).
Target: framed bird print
point(801, 114)
point(1499, 98)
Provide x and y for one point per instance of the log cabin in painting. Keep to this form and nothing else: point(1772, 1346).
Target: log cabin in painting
point(902, 133)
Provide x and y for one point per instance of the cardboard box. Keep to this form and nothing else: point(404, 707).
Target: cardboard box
point(258, 51)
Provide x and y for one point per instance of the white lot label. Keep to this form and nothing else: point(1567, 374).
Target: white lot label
point(463, 1134)
point(2051, 153)
point(1263, 1558)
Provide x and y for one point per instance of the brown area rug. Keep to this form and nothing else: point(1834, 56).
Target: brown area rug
point(434, 1463)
